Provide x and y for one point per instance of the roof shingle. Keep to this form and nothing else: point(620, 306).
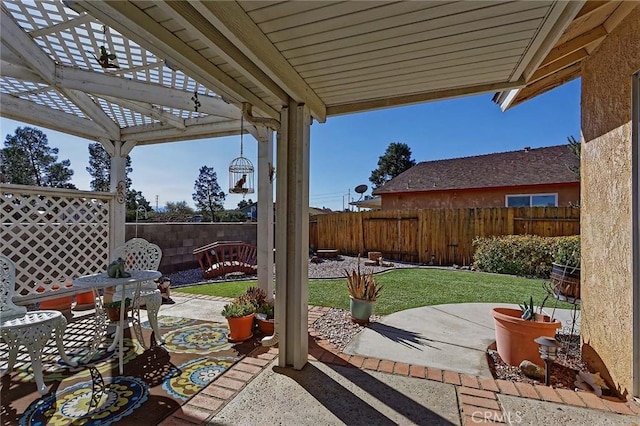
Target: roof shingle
point(536, 166)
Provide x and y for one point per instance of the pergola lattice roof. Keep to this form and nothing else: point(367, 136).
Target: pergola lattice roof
point(50, 76)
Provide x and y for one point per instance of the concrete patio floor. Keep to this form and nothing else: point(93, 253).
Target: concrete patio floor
point(340, 388)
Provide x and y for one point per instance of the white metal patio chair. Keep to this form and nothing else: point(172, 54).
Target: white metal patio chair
point(32, 329)
point(139, 253)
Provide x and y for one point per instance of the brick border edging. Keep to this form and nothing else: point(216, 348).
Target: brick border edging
point(477, 396)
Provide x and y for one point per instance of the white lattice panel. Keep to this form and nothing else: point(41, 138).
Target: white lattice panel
point(53, 235)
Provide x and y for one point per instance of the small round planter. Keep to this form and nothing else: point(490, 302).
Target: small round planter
point(84, 301)
point(241, 328)
point(266, 326)
point(361, 310)
point(515, 336)
point(114, 313)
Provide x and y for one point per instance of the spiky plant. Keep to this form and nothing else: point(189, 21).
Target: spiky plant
point(362, 285)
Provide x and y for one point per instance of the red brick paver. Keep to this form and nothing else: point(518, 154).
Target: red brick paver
point(488, 384)
point(451, 377)
point(548, 393)
point(218, 392)
point(386, 366)
point(570, 397)
point(434, 374)
point(419, 371)
point(592, 401)
point(477, 392)
point(619, 407)
point(527, 390)
point(370, 364)
point(469, 381)
point(401, 368)
point(507, 387)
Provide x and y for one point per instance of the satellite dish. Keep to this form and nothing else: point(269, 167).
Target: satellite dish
point(361, 189)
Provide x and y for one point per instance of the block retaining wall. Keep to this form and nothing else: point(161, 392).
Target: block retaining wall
point(178, 239)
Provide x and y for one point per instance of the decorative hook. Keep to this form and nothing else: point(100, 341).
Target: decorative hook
point(196, 102)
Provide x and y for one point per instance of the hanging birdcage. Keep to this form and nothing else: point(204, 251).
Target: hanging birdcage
point(241, 171)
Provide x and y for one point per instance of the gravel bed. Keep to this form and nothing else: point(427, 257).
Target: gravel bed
point(335, 268)
point(329, 268)
point(336, 327)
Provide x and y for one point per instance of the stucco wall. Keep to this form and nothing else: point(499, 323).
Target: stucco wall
point(606, 202)
point(177, 240)
point(475, 198)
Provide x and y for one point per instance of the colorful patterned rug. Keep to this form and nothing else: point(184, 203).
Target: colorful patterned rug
point(155, 382)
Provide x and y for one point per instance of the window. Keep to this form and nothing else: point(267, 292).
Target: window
point(532, 200)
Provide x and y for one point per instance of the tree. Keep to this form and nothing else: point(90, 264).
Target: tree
point(100, 168)
point(27, 159)
point(576, 149)
point(244, 203)
point(135, 200)
point(180, 207)
point(208, 196)
point(396, 159)
point(100, 171)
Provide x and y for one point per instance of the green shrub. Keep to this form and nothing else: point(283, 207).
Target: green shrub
point(523, 255)
point(568, 251)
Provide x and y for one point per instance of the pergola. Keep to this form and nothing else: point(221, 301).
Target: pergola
point(282, 64)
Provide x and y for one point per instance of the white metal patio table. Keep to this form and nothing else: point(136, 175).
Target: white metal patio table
point(99, 281)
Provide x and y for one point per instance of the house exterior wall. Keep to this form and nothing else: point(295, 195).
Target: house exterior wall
point(606, 203)
point(475, 198)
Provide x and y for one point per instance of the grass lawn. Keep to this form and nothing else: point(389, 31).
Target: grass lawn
point(409, 288)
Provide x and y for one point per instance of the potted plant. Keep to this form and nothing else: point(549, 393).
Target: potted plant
point(265, 318)
point(516, 330)
point(565, 269)
point(240, 316)
point(113, 309)
point(363, 292)
point(264, 308)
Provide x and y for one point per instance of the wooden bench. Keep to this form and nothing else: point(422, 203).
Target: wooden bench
point(327, 253)
point(223, 257)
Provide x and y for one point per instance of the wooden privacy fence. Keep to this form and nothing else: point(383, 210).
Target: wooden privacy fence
point(443, 237)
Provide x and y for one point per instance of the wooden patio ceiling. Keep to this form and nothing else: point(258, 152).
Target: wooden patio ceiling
point(342, 57)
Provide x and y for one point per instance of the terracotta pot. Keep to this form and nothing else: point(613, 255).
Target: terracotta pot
point(515, 336)
point(360, 309)
point(240, 329)
point(266, 326)
point(84, 301)
point(114, 314)
point(59, 303)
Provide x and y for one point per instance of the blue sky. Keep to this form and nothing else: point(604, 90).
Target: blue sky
point(345, 149)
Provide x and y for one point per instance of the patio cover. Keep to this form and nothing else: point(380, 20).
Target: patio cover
point(286, 61)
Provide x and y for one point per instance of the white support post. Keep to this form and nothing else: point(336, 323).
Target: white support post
point(292, 242)
point(265, 211)
point(118, 185)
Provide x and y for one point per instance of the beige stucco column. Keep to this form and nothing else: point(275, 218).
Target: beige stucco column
point(609, 286)
point(265, 210)
point(292, 235)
